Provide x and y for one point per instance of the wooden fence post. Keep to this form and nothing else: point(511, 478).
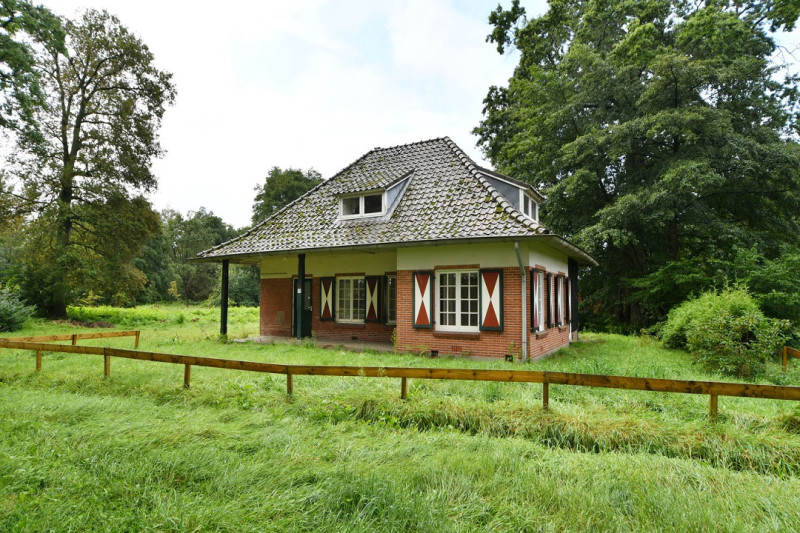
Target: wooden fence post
point(38, 360)
point(289, 384)
point(74, 339)
point(136, 344)
point(187, 373)
point(712, 407)
point(403, 388)
point(107, 365)
point(785, 358)
point(545, 394)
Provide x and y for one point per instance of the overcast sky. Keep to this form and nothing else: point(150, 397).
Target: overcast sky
point(306, 84)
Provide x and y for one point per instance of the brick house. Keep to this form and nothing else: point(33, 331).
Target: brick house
point(420, 240)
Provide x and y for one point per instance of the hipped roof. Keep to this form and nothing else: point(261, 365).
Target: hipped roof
point(444, 198)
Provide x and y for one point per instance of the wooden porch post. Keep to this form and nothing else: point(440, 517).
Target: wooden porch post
point(223, 300)
point(300, 295)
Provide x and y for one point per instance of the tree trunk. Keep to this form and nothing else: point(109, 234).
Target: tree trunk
point(674, 249)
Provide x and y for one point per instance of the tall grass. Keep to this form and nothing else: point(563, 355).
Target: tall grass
point(234, 453)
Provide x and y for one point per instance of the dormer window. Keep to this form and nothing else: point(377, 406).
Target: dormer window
point(364, 205)
point(529, 207)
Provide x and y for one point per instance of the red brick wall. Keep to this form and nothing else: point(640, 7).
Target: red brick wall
point(484, 343)
point(276, 297)
point(329, 329)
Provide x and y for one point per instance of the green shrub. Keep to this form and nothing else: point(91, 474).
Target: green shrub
point(13, 313)
point(726, 331)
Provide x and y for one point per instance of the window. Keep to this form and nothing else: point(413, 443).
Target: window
point(558, 300)
point(529, 206)
point(351, 300)
point(458, 301)
point(539, 291)
point(391, 299)
point(367, 205)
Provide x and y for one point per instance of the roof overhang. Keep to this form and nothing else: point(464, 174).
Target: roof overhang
point(554, 241)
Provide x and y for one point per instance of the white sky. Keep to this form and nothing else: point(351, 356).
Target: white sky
point(307, 84)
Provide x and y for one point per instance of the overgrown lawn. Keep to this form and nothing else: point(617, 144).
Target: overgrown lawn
point(137, 452)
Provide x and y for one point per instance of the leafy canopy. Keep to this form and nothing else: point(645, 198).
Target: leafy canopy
point(662, 131)
point(280, 188)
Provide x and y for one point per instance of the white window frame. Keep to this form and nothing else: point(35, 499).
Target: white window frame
point(538, 298)
point(534, 211)
point(457, 328)
point(558, 296)
point(387, 301)
point(351, 300)
point(361, 213)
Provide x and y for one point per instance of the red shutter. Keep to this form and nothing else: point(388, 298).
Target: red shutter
point(327, 301)
point(491, 300)
point(423, 299)
point(373, 284)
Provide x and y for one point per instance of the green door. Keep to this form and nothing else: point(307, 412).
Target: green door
point(307, 314)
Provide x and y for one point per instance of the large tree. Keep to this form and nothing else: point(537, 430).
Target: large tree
point(280, 188)
point(663, 132)
point(105, 99)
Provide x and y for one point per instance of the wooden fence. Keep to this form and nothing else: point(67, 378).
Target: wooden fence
point(786, 353)
point(713, 389)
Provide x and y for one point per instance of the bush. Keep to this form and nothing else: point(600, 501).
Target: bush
point(726, 331)
point(13, 313)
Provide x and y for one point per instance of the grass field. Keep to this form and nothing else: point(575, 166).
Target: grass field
point(136, 452)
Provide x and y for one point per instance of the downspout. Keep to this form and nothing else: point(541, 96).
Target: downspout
point(524, 280)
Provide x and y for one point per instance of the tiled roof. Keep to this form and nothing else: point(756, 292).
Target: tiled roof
point(445, 198)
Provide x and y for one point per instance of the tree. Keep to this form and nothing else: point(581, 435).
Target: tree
point(280, 188)
point(192, 234)
point(662, 132)
point(21, 26)
point(104, 103)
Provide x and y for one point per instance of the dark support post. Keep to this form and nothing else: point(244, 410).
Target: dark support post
point(107, 365)
point(38, 360)
point(300, 295)
point(403, 388)
point(223, 301)
point(187, 375)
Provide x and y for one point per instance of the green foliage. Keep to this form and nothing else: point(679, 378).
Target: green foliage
point(726, 331)
point(23, 25)
point(664, 134)
point(280, 188)
point(13, 312)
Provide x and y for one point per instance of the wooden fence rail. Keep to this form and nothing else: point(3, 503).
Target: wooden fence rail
point(786, 353)
point(75, 337)
point(713, 389)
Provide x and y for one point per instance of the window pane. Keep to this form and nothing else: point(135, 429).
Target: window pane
point(359, 299)
point(351, 206)
point(373, 203)
point(343, 307)
point(391, 299)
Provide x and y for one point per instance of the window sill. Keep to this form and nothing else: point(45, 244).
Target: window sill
point(540, 334)
point(457, 334)
point(352, 325)
point(562, 329)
